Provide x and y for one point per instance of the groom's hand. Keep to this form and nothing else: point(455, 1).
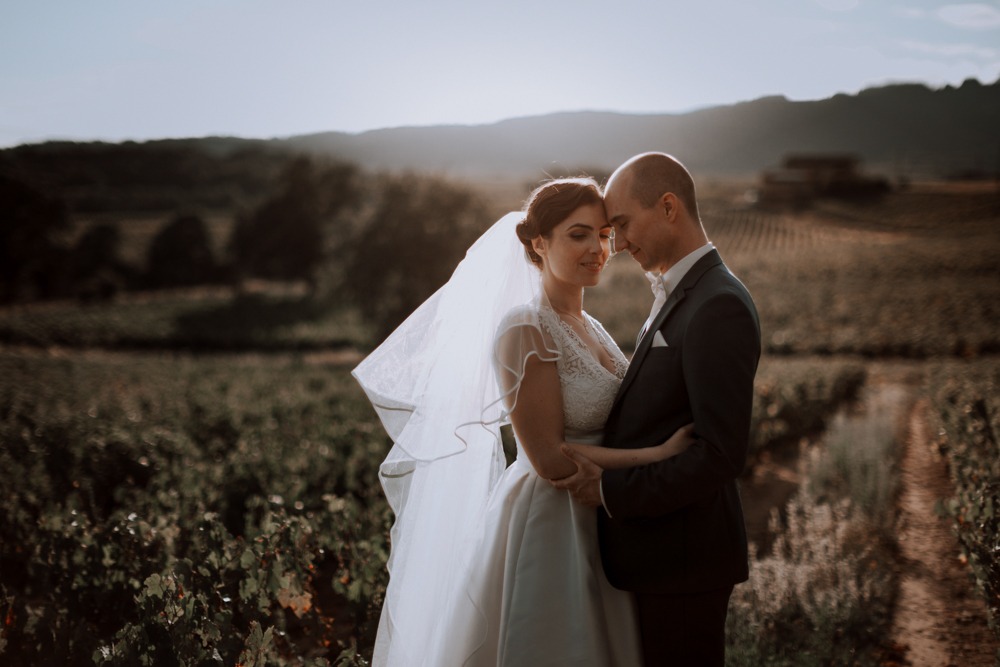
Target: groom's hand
point(585, 484)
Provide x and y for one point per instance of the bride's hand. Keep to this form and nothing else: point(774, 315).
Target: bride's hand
point(678, 442)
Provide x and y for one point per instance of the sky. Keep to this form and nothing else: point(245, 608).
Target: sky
point(117, 70)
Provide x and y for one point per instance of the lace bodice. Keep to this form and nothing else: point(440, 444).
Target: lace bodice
point(588, 387)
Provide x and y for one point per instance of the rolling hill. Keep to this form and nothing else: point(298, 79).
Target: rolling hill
point(902, 129)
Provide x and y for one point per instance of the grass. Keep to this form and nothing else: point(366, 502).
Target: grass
point(148, 465)
point(138, 230)
point(913, 276)
point(795, 397)
point(231, 500)
point(245, 486)
point(858, 461)
point(200, 319)
point(820, 595)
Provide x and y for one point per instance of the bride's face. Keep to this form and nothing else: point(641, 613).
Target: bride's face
point(578, 247)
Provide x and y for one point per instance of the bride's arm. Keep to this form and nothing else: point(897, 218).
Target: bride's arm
point(537, 419)
point(609, 458)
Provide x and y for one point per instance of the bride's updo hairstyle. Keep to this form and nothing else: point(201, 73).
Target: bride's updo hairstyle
point(551, 203)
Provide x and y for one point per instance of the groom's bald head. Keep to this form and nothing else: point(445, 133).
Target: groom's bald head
point(648, 176)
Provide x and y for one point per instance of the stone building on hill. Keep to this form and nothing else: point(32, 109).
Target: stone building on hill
point(803, 178)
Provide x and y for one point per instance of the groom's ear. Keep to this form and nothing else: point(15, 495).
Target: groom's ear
point(669, 204)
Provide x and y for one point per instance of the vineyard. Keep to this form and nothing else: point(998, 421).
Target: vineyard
point(191, 478)
point(967, 404)
point(849, 281)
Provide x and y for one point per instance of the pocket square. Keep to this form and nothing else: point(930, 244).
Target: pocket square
point(659, 340)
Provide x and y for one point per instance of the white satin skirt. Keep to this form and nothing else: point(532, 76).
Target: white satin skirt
point(534, 590)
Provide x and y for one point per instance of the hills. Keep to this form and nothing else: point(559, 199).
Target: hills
point(901, 129)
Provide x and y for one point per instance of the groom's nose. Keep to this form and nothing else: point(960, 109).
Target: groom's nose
point(618, 242)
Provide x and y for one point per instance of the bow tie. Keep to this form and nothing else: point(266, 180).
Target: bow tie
point(656, 284)
point(659, 298)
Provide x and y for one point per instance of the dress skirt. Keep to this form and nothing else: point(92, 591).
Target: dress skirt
point(534, 590)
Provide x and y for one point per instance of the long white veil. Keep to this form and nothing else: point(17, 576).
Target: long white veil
point(434, 385)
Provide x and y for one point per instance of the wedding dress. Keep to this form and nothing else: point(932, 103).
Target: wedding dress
point(490, 566)
point(534, 591)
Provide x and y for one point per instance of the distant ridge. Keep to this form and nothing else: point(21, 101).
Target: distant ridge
point(905, 129)
point(897, 130)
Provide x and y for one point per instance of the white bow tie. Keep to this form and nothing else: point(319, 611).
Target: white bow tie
point(659, 293)
point(656, 284)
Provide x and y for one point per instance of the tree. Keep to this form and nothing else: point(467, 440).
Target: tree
point(98, 271)
point(32, 257)
point(181, 254)
point(285, 237)
point(416, 235)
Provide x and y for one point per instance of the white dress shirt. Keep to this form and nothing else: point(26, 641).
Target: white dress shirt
point(665, 283)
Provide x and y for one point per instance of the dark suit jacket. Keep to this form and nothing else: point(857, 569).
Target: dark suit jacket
point(677, 525)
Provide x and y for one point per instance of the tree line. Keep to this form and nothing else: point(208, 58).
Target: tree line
point(383, 242)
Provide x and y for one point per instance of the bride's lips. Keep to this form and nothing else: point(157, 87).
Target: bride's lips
point(595, 267)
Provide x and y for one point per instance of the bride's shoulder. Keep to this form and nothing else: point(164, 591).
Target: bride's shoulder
point(524, 329)
point(533, 320)
point(527, 314)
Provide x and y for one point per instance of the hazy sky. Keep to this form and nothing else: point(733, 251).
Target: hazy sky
point(141, 69)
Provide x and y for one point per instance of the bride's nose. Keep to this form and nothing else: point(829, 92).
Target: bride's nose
point(596, 245)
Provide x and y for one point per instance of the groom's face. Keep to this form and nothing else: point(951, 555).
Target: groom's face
point(642, 232)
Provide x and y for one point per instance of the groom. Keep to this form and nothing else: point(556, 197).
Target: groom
point(673, 531)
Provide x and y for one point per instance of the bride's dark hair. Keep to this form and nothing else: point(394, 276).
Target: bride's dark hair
point(551, 203)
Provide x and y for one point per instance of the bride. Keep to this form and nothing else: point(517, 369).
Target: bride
point(492, 565)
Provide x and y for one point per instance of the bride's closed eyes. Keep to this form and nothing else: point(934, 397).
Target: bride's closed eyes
point(580, 233)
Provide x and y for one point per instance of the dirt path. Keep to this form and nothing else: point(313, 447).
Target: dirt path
point(939, 620)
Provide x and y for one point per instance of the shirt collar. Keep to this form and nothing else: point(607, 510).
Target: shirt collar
point(675, 274)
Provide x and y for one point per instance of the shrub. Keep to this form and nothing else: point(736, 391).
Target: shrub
point(188, 512)
point(286, 236)
point(32, 256)
point(181, 254)
point(967, 400)
point(821, 596)
point(409, 246)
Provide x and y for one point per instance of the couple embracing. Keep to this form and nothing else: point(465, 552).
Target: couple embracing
point(616, 536)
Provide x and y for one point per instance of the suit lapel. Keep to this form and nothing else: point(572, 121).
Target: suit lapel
point(647, 341)
point(690, 280)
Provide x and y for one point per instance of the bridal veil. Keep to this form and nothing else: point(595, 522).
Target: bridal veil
point(435, 383)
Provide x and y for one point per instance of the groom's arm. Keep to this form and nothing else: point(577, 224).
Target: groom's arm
point(720, 351)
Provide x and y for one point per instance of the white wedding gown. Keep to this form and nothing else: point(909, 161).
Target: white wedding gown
point(535, 593)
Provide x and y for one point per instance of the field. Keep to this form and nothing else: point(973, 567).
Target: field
point(915, 276)
point(191, 477)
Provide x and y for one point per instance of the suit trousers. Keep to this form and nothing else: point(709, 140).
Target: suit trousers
point(684, 630)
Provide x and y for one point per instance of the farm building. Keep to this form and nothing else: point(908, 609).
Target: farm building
point(802, 178)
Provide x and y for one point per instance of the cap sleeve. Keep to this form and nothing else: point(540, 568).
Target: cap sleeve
point(519, 337)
